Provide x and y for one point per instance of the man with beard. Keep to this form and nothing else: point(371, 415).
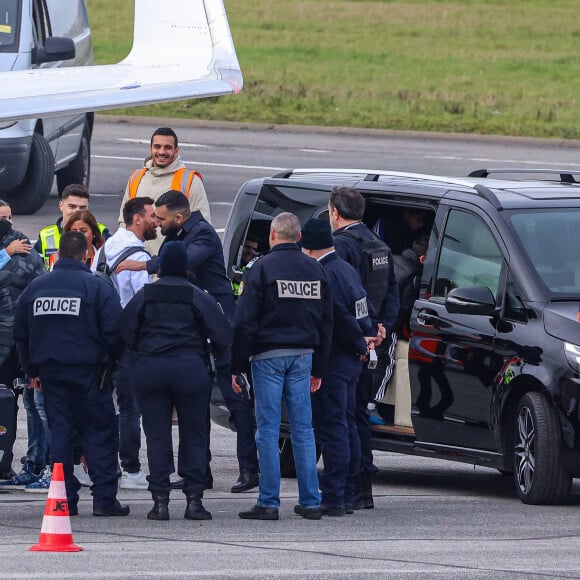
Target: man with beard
point(207, 271)
point(139, 215)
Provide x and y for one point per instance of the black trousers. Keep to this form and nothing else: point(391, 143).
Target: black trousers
point(181, 381)
point(333, 419)
point(74, 404)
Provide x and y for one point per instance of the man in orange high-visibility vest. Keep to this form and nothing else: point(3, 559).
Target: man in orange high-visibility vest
point(163, 171)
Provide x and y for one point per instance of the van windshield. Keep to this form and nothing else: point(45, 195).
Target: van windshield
point(9, 20)
point(551, 239)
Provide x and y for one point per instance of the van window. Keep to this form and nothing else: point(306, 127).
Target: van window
point(469, 255)
point(551, 239)
point(41, 22)
point(66, 18)
point(9, 25)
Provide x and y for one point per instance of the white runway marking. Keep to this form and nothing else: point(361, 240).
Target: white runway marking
point(197, 163)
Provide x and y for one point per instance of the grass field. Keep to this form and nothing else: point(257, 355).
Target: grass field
point(475, 66)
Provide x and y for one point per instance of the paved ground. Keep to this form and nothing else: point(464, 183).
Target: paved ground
point(433, 519)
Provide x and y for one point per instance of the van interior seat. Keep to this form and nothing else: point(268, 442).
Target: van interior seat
point(399, 388)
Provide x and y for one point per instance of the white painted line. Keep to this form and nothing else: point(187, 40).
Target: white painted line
point(221, 230)
point(315, 150)
point(499, 161)
point(196, 163)
point(147, 142)
point(221, 203)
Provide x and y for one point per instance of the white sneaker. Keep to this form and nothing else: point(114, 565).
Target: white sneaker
point(134, 480)
point(81, 473)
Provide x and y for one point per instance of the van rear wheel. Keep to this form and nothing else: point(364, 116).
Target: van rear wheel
point(79, 169)
point(33, 192)
point(539, 474)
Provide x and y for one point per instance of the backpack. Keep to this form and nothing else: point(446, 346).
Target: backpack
point(375, 265)
point(104, 271)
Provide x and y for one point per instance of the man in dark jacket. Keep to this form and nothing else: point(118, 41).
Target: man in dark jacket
point(334, 405)
point(284, 327)
point(19, 265)
point(206, 269)
point(66, 327)
point(167, 325)
point(372, 258)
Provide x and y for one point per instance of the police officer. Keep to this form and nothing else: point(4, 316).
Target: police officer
point(167, 325)
point(66, 327)
point(334, 405)
point(205, 262)
point(371, 257)
point(284, 326)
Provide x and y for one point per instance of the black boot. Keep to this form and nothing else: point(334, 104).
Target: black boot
point(364, 493)
point(195, 509)
point(160, 506)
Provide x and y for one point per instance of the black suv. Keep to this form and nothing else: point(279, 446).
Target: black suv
point(491, 375)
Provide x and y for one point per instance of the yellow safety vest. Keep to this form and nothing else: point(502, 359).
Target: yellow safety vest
point(50, 242)
point(181, 180)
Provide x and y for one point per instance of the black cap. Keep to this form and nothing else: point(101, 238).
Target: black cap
point(316, 235)
point(173, 259)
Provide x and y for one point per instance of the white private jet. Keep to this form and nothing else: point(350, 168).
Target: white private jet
point(182, 49)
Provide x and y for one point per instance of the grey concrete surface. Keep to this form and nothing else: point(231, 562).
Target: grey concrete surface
point(433, 519)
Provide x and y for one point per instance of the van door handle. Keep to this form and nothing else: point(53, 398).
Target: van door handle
point(426, 317)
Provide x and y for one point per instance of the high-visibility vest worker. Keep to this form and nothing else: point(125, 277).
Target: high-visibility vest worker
point(181, 180)
point(50, 242)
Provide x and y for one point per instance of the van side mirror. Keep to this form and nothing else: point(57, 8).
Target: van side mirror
point(471, 300)
point(55, 48)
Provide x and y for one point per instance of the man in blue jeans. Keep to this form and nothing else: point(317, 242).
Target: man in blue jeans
point(283, 325)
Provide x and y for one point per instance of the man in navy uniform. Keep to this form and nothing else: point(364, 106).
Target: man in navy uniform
point(371, 257)
point(206, 269)
point(284, 327)
point(66, 328)
point(334, 405)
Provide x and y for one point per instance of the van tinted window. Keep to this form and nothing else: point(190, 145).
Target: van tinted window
point(551, 239)
point(469, 255)
point(9, 25)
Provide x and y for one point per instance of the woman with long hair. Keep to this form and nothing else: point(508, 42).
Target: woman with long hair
point(85, 222)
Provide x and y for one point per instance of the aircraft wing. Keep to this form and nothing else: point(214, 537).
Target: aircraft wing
point(182, 49)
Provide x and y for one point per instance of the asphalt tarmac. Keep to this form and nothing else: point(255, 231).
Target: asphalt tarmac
point(433, 519)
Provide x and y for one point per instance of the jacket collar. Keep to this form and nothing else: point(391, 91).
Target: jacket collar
point(70, 264)
point(286, 246)
point(171, 168)
point(330, 257)
point(192, 221)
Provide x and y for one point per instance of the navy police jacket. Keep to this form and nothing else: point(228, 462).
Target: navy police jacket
point(284, 302)
point(351, 322)
point(68, 317)
point(348, 249)
point(205, 259)
point(172, 316)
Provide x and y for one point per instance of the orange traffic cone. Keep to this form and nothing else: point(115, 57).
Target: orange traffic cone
point(56, 534)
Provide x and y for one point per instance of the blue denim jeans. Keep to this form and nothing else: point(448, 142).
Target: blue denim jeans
point(285, 379)
point(37, 426)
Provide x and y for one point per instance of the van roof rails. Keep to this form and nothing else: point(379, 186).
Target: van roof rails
point(566, 176)
point(321, 175)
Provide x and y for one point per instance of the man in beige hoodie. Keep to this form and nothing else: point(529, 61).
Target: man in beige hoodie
point(164, 170)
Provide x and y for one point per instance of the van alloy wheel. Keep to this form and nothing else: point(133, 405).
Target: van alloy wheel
point(539, 473)
point(525, 449)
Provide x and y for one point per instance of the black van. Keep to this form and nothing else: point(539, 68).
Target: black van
point(491, 372)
